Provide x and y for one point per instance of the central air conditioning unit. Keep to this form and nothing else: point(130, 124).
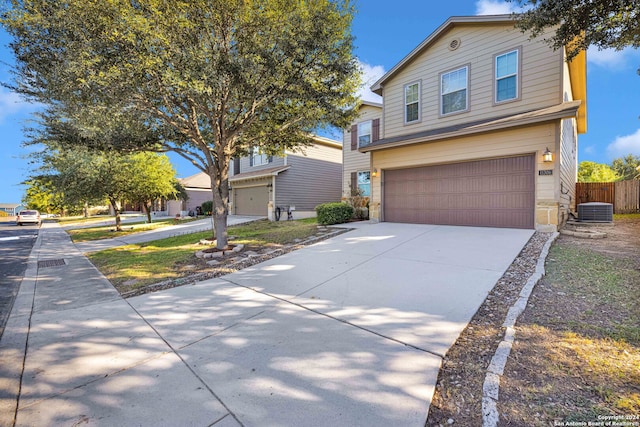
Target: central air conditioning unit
point(595, 212)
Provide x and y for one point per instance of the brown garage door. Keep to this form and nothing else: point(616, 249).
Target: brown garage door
point(490, 193)
point(251, 200)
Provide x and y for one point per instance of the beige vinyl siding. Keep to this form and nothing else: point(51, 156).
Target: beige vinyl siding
point(312, 179)
point(568, 167)
point(540, 78)
point(512, 142)
point(245, 163)
point(353, 160)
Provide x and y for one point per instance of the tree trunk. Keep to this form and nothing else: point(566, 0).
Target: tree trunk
point(220, 190)
point(147, 208)
point(116, 209)
point(85, 209)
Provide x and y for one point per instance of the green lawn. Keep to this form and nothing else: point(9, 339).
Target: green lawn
point(133, 266)
point(108, 231)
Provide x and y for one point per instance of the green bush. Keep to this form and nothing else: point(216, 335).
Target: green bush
point(207, 207)
point(334, 213)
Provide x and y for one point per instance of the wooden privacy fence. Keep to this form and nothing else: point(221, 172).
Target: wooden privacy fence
point(623, 195)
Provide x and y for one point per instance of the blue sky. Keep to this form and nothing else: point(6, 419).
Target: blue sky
point(384, 35)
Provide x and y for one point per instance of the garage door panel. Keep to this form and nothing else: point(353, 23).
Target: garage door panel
point(251, 201)
point(494, 193)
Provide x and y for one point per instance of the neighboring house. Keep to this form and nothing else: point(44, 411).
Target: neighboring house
point(271, 186)
point(10, 209)
point(478, 127)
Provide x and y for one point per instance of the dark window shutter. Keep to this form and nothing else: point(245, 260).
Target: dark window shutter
point(375, 130)
point(354, 183)
point(236, 166)
point(354, 137)
point(270, 159)
point(251, 158)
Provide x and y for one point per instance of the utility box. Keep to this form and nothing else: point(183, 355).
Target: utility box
point(595, 212)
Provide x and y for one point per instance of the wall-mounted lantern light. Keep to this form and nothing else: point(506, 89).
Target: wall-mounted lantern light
point(547, 156)
point(375, 172)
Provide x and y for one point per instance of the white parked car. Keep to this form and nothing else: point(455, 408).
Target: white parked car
point(28, 217)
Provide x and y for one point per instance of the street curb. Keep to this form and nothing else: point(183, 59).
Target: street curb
point(13, 346)
point(491, 386)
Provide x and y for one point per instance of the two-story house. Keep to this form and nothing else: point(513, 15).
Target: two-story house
point(478, 127)
point(272, 186)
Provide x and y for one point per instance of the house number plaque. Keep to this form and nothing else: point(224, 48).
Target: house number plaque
point(545, 172)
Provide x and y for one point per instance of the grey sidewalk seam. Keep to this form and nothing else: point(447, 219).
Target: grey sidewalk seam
point(13, 346)
point(491, 386)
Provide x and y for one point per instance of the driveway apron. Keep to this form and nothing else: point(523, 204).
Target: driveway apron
point(347, 332)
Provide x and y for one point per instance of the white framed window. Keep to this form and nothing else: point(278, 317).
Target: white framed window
point(364, 133)
point(454, 93)
point(364, 183)
point(412, 102)
point(507, 84)
point(258, 158)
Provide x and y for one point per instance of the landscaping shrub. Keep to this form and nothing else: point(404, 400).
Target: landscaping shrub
point(207, 207)
point(333, 213)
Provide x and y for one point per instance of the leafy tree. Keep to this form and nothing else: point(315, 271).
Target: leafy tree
point(596, 172)
point(151, 177)
point(627, 167)
point(84, 176)
point(582, 23)
point(42, 195)
point(210, 78)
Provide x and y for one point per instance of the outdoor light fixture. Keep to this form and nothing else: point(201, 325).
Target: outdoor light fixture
point(375, 172)
point(547, 156)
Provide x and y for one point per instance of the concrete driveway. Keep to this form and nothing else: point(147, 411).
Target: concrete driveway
point(348, 332)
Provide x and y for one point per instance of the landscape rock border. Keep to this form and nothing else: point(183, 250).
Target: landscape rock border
point(491, 386)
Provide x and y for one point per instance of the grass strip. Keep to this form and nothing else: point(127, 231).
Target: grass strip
point(174, 257)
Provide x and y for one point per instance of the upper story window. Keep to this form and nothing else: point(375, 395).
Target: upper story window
point(364, 133)
point(454, 91)
point(412, 102)
point(257, 158)
point(507, 76)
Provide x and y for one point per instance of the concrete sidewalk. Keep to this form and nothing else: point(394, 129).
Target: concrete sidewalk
point(161, 233)
point(347, 332)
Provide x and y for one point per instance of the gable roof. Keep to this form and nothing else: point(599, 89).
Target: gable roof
point(199, 180)
point(577, 67)
point(440, 31)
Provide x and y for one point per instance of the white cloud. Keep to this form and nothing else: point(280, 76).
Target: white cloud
point(494, 7)
point(370, 75)
point(612, 59)
point(11, 103)
point(623, 145)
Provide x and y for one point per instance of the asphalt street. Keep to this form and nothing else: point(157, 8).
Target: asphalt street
point(15, 247)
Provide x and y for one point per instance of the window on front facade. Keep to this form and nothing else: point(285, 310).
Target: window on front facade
point(453, 89)
point(412, 102)
point(364, 133)
point(258, 158)
point(507, 76)
point(364, 183)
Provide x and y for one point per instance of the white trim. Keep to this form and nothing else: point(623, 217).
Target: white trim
point(418, 101)
point(516, 74)
point(360, 133)
point(467, 70)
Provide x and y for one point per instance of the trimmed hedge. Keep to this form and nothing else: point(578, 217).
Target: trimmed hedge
point(207, 207)
point(333, 213)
